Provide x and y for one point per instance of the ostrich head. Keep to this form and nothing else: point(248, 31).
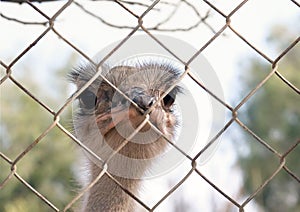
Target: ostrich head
point(106, 118)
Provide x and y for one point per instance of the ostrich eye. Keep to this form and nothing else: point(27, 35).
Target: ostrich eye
point(168, 101)
point(88, 99)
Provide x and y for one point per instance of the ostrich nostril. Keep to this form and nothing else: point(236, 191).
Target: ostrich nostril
point(151, 102)
point(144, 101)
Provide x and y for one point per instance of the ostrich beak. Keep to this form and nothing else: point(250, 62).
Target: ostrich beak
point(110, 119)
point(117, 114)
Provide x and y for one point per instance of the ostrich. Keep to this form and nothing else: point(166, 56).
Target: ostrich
point(105, 119)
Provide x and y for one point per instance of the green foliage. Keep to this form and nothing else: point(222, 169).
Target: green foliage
point(274, 115)
point(48, 166)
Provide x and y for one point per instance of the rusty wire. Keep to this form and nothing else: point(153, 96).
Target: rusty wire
point(151, 5)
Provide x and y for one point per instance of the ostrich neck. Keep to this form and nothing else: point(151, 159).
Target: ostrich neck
point(107, 196)
point(127, 167)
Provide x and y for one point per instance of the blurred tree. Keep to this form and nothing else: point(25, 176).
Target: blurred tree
point(48, 166)
point(273, 113)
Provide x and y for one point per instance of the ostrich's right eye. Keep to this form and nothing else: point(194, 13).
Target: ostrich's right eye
point(88, 99)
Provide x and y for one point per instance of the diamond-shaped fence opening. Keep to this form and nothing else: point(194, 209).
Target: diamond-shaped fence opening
point(122, 20)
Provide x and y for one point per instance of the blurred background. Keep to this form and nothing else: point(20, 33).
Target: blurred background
point(241, 164)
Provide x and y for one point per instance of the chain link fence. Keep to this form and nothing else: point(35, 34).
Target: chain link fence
point(148, 6)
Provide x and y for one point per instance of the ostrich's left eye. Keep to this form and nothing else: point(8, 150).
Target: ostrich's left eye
point(168, 101)
point(88, 99)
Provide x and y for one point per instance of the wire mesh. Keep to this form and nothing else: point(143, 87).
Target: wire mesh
point(50, 24)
